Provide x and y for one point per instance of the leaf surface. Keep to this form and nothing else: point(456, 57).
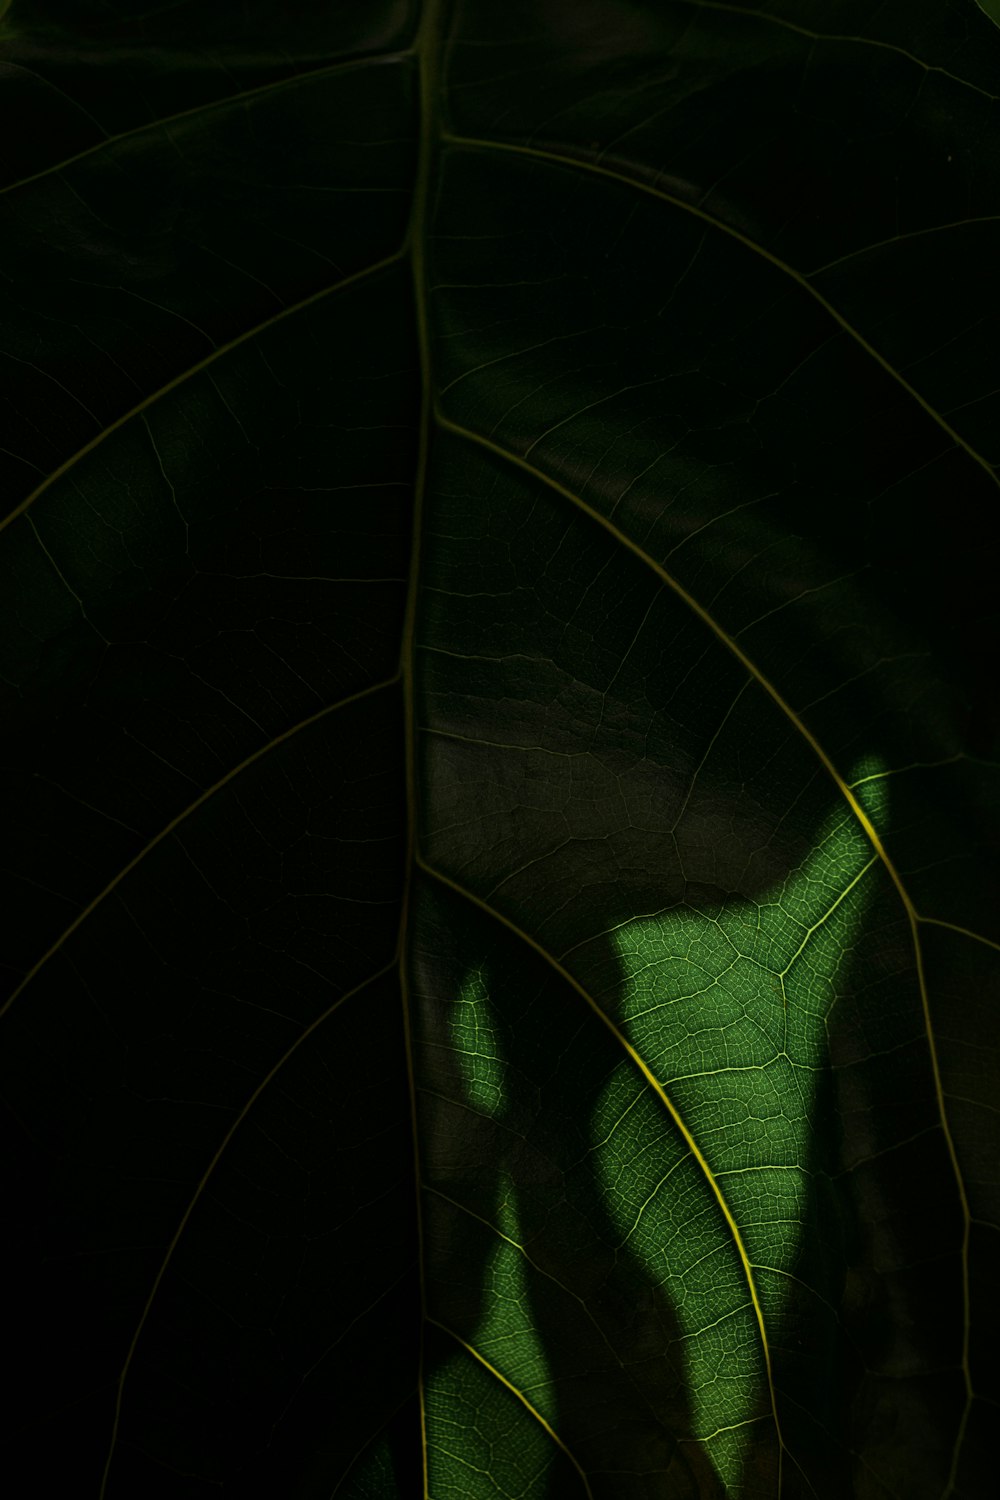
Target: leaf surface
point(500, 748)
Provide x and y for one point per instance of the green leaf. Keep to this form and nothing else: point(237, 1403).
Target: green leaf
point(500, 744)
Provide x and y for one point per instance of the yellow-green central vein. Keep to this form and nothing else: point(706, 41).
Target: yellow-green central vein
point(427, 48)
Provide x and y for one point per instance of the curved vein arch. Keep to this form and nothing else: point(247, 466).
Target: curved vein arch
point(731, 645)
point(203, 1183)
point(368, 1444)
point(913, 916)
point(653, 1083)
point(533, 1410)
point(185, 813)
point(966, 932)
point(820, 36)
point(572, 163)
point(900, 239)
point(344, 66)
point(196, 369)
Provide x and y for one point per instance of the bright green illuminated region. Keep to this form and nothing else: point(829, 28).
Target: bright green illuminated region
point(481, 1441)
point(505, 1337)
point(728, 1007)
point(499, 1446)
point(703, 1173)
point(475, 1045)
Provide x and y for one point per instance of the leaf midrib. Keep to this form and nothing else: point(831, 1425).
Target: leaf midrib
point(427, 47)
